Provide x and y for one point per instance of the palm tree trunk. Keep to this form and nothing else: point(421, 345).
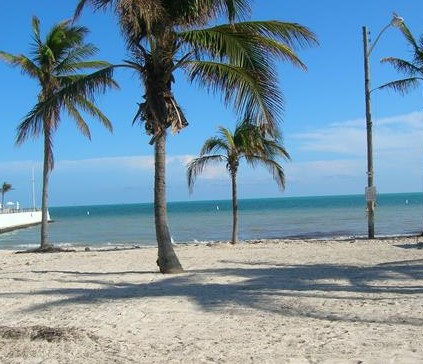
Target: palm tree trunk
point(44, 199)
point(167, 260)
point(234, 210)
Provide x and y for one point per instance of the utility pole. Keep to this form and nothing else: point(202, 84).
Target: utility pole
point(396, 21)
point(370, 189)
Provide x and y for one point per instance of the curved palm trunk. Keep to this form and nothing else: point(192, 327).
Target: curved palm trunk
point(44, 199)
point(234, 210)
point(167, 260)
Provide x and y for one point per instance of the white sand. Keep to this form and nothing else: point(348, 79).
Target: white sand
point(271, 302)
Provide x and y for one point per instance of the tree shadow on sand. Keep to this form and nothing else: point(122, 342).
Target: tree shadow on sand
point(290, 290)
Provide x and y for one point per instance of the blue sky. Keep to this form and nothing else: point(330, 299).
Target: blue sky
point(323, 123)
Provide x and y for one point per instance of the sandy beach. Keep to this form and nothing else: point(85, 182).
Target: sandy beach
point(275, 301)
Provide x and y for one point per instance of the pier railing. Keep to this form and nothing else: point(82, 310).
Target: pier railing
point(14, 211)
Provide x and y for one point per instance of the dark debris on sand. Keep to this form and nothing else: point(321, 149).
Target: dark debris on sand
point(49, 249)
point(43, 333)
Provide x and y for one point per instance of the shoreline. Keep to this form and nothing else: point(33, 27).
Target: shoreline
point(299, 218)
point(418, 237)
point(270, 301)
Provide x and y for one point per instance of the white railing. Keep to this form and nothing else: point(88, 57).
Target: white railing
point(14, 211)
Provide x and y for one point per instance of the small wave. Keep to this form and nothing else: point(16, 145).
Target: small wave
point(26, 246)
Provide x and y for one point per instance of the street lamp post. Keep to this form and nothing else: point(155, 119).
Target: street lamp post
point(371, 189)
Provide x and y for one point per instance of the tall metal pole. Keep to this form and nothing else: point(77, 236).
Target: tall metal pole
point(396, 21)
point(370, 190)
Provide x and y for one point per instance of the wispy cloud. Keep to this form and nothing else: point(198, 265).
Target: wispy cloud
point(140, 163)
point(326, 160)
point(396, 133)
point(307, 171)
point(18, 167)
point(337, 154)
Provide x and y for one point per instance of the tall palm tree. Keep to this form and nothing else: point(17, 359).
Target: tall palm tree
point(235, 59)
point(59, 64)
point(411, 69)
point(247, 142)
point(6, 187)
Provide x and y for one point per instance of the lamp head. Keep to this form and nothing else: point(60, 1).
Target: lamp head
point(397, 21)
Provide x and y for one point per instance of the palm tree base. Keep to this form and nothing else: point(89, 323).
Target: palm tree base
point(169, 265)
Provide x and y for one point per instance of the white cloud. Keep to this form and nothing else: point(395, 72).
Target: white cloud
point(337, 155)
point(179, 159)
point(324, 169)
point(215, 172)
point(18, 167)
point(401, 132)
point(140, 163)
point(327, 160)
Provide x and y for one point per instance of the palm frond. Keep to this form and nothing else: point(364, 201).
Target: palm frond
point(272, 166)
point(197, 166)
point(247, 142)
point(32, 124)
point(413, 70)
point(90, 108)
point(97, 4)
point(245, 43)
point(36, 31)
point(43, 118)
point(409, 36)
point(213, 145)
point(260, 32)
point(24, 63)
point(273, 149)
point(62, 40)
point(251, 141)
point(80, 122)
point(136, 66)
point(189, 13)
point(206, 10)
point(74, 91)
point(137, 18)
point(76, 55)
point(232, 9)
point(403, 66)
point(256, 95)
point(70, 68)
point(291, 34)
point(87, 85)
point(227, 138)
point(403, 86)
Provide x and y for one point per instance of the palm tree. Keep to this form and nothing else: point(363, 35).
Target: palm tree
point(247, 142)
point(412, 69)
point(56, 64)
point(6, 187)
point(236, 59)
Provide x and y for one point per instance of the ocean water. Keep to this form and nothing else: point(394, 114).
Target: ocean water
point(205, 221)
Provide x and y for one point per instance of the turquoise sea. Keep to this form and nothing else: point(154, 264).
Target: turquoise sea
point(205, 221)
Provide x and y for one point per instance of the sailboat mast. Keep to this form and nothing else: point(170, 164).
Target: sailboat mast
point(33, 189)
